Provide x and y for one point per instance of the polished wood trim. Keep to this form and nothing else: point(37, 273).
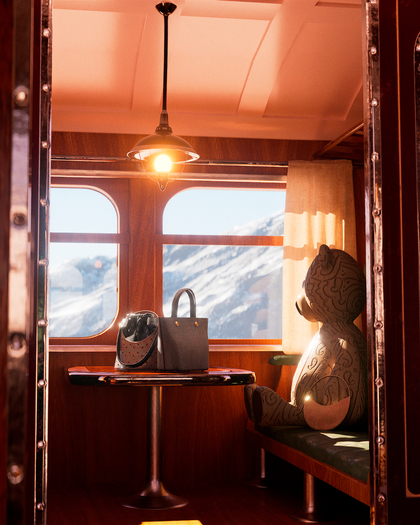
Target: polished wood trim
point(221, 240)
point(110, 376)
point(198, 162)
point(217, 347)
point(117, 238)
point(246, 344)
point(213, 177)
point(353, 487)
point(64, 348)
point(338, 140)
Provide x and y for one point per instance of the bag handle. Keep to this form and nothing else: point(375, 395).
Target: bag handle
point(175, 302)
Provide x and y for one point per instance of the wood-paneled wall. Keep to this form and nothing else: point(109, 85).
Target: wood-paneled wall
point(209, 148)
point(99, 434)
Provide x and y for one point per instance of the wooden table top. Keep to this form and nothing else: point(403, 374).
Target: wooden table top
point(108, 376)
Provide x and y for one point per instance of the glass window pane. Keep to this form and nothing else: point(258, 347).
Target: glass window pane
point(83, 288)
point(233, 212)
point(81, 210)
point(238, 288)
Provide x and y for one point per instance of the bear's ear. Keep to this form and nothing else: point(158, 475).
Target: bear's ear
point(326, 257)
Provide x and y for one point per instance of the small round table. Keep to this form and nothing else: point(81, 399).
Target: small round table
point(154, 495)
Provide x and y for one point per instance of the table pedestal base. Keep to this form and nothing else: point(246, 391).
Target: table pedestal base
point(154, 496)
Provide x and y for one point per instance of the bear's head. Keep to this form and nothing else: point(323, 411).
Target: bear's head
point(335, 288)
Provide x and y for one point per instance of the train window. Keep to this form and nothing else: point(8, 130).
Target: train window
point(227, 245)
point(83, 262)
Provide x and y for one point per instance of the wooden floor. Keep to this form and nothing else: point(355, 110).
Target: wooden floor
point(239, 504)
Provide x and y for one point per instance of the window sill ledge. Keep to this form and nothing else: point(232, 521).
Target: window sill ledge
point(213, 348)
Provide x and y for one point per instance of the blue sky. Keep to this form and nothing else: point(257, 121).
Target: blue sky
point(213, 212)
point(194, 211)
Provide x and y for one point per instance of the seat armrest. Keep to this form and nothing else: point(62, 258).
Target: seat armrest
point(285, 359)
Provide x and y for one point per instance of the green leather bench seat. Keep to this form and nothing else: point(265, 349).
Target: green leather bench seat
point(345, 450)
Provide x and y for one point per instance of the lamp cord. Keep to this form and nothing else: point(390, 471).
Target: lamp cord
point(165, 60)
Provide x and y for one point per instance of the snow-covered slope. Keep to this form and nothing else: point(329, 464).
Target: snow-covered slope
point(83, 297)
point(238, 288)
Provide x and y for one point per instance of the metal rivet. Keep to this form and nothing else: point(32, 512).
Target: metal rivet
point(19, 219)
point(42, 383)
point(42, 323)
point(46, 32)
point(375, 156)
point(40, 444)
point(377, 268)
point(43, 262)
point(378, 325)
point(21, 95)
point(376, 212)
point(17, 341)
point(45, 88)
point(44, 144)
point(374, 102)
point(379, 382)
point(381, 498)
point(40, 506)
point(17, 346)
point(43, 202)
point(176, 323)
point(196, 324)
point(418, 47)
point(15, 474)
point(380, 440)
point(373, 50)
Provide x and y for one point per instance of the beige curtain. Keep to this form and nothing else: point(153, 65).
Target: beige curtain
point(319, 210)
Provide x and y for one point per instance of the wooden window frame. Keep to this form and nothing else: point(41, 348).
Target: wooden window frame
point(116, 191)
point(140, 206)
point(217, 240)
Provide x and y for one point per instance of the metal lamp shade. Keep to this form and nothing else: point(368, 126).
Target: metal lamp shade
point(178, 149)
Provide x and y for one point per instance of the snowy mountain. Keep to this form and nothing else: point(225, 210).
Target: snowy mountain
point(83, 296)
point(238, 288)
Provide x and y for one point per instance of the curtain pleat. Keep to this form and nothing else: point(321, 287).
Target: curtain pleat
point(319, 210)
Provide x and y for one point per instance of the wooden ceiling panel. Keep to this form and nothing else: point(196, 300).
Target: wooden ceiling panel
point(211, 82)
point(279, 69)
point(93, 65)
point(318, 78)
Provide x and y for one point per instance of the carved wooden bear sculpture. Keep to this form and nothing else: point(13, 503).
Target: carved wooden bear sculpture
point(333, 365)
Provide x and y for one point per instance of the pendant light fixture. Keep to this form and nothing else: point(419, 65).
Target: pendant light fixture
point(160, 151)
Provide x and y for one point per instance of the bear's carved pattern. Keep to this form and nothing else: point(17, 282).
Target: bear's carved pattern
point(335, 291)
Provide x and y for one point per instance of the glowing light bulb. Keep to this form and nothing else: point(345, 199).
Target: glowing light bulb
point(163, 163)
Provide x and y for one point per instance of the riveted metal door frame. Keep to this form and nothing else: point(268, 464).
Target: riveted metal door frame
point(392, 30)
point(40, 202)
point(19, 469)
point(374, 263)
point(26, 325)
